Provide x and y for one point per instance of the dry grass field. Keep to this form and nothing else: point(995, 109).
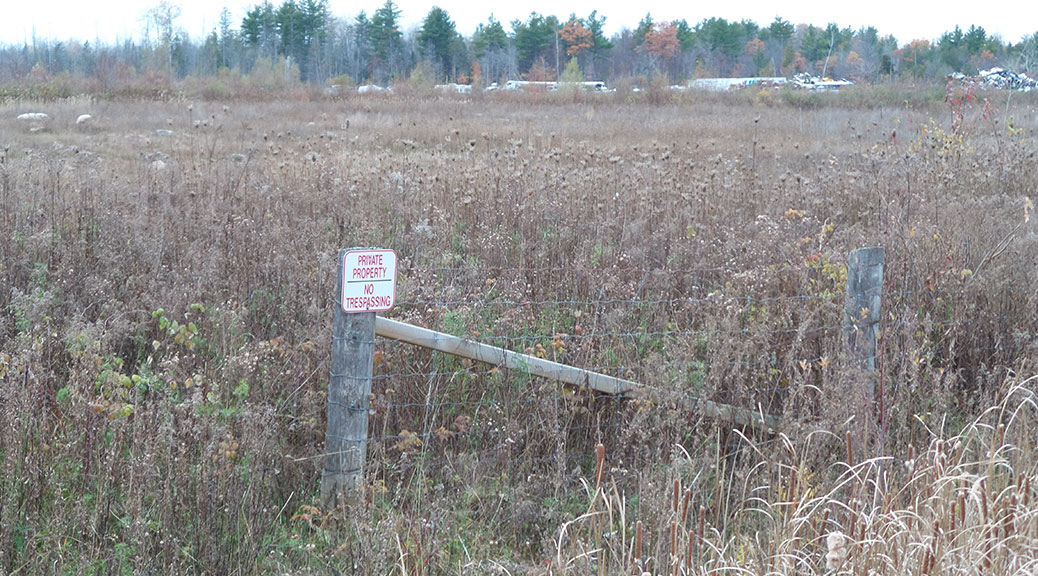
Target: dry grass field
point(168, 273)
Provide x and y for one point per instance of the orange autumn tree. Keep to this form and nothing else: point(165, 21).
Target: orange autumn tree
point(576, 37)
point(855, 66)
point(662, 40)
point(755, 50)
point(915, 57)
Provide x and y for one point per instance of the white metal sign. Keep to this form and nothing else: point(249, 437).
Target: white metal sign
point(368, 280)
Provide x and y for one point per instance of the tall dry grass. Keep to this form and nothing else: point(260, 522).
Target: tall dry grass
point(962, 504)
point(164, 340)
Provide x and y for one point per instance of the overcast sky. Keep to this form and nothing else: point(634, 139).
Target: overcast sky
point(109, 20)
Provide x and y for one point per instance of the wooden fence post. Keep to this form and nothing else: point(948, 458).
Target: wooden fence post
point(861, 310)
point(349, 391)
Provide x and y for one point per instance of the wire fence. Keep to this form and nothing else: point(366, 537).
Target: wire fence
point(734, 342)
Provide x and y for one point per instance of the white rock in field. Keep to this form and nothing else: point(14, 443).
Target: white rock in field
point(33, 116)
point(84, 118)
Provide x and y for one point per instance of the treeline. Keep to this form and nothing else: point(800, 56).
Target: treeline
point(301, 41)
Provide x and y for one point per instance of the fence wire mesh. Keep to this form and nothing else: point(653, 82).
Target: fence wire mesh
point(724, 339)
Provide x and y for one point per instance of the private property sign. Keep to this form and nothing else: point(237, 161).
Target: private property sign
point(368, 280)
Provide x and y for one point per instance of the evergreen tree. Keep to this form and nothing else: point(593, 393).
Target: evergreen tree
point(722, 36)
point(492, 47)
point(386, 40)
point(209, 59)
point(363, 53)
point(686, 35)
point(952, 49)
point(644, 27)
point(314, 18)
point(289, 27)
point(228, 41)
point(489, 36)
point(814, 44)
point(600, 45)
point(535, 40)
point(436, 39)
point(259, 31)
point(88, 59)
point(781, 30)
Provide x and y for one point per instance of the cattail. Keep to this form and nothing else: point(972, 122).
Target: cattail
point(674, 543)
point(931, 551)
point(599, 463)
point(951, 520)
point(962, 509)
point(986, 559)
point(983, 500)
point(688, 552)
point(836, 544)
point(702, 525)
point(852, 519)
point(677, 496)
point(684, 505)
point(850, 450)
point(1009, 519)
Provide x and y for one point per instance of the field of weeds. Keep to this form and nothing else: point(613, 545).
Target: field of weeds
point(168, 273)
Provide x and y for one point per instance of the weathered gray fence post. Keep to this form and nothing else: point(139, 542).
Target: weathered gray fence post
point(861, 310)
point(349, 391)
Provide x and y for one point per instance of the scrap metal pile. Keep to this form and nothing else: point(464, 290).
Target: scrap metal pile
point(803, 80)
point(999, 78)
point(809, 82)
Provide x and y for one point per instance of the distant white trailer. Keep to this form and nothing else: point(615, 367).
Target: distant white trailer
point(455, 88)
point(371, 88)
point(528, 85)
point(725, 84)
point(592, 86)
